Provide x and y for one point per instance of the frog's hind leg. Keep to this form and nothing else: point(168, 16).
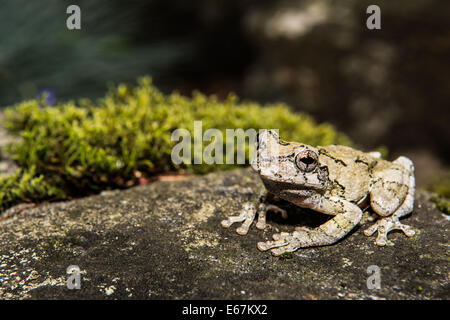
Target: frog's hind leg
point(383, 204)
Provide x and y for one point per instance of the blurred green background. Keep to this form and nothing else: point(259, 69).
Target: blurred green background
point(381, 87)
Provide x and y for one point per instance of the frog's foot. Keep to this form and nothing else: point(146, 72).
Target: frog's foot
point(283, 242)
point(384, 226)
point(248, 215)
point(287, 242)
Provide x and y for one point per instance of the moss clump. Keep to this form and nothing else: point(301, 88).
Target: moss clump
point(126, 135)
point(25, 186)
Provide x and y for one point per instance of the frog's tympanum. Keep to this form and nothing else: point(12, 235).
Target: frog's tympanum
point(335, 180)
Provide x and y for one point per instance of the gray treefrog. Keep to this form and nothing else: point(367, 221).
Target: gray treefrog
point(335, 180)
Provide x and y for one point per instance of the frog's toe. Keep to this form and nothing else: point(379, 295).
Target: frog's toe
point(384, 226)
point(228, 222)
point(407, 230)
point(266, 245)
point(382, 239)
point(371, 230)
point(280, 236)
point(242, 230)
point(261, 225)
point(283, 242)
point(278, 247)
point(288, 248)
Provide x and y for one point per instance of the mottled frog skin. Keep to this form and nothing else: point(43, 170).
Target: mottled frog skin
point(335, 180)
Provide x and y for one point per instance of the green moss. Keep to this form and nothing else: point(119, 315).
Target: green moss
point(440, 186)
point(87, 147)
point(442, 204)
point(25, 186)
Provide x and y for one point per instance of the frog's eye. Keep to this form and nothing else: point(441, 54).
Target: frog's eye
point(306, 160)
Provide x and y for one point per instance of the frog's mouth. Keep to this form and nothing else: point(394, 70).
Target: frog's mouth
point(288, 189)
point(298, 193)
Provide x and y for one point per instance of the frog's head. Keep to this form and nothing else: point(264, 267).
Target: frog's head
point(289, 169)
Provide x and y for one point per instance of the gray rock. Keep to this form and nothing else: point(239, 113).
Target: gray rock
point(164, 241)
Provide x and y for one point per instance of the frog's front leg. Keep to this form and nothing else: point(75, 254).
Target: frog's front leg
point(248, 215)
point(347, 216)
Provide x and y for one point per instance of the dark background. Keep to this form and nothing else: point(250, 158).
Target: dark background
point(386, 87)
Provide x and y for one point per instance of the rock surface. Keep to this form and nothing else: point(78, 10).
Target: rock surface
point(164, 241)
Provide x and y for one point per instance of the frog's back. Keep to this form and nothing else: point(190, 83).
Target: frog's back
point(348, 157)
point(349, 171)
